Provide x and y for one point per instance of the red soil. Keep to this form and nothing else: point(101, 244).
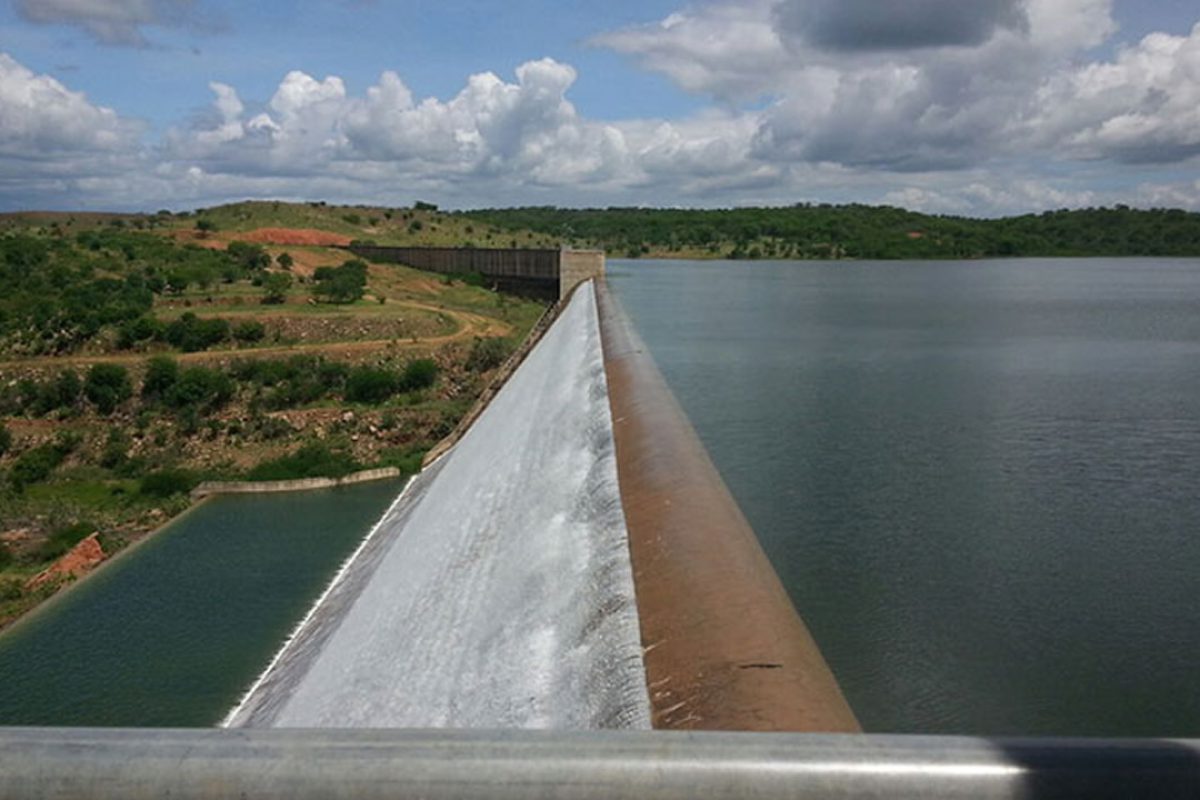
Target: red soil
point(295, 236)
point(77, 562)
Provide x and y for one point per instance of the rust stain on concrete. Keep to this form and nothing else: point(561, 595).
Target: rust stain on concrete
point(723, 646)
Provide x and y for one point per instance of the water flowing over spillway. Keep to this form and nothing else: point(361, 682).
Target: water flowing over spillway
point(497, 590)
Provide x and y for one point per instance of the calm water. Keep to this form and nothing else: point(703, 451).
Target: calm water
point(980, 481)
point(172, 633)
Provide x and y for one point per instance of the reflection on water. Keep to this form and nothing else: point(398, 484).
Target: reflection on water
point(978, 480)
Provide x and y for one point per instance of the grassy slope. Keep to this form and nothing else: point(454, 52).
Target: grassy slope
point(422, 316)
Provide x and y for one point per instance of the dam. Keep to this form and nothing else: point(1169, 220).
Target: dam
point(572, 564)
point(503, 588)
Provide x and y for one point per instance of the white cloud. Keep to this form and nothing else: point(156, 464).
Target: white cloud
point(42, 119)
point(115, 22)
point(1001, 114)
point(1144, 107)
point(912, 86)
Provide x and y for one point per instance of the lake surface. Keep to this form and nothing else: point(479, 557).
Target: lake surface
point(172, 633)
point(980, 481)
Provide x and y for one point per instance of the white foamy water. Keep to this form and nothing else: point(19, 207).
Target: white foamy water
point(497, 591)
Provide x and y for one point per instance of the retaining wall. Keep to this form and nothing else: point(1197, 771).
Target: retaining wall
point(300, 485)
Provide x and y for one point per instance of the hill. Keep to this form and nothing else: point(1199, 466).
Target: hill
point(141, 354)
point(856, 231)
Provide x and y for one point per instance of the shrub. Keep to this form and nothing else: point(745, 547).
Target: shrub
point(418, 374)
point(167, 482)
point(312, 460)
point(370, 385)
point(107, 387)
point(5, 439)
point(161, 374)
point(488, 354)
point(249, 331)
point(35, 465)
point(200, 386)
point(191, 333)
point(116, 449)
point(64, 539)
point(62, 392)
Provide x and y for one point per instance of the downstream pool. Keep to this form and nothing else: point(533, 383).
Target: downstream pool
point(978, 480)
point(172, 633)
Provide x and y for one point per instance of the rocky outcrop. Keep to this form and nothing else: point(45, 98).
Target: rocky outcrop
point(77, 562)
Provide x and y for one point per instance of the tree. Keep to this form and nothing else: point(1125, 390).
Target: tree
point(107, 386)
point(205, 225)
point(285, 261)
point(251, 257)
point(275, 288)
point(343, 284)
point(5, 439)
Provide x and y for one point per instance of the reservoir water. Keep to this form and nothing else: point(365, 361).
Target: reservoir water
point(978, 480)
point(172, 633)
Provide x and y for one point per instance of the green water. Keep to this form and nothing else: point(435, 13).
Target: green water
point(980, 481)
point(173, 632)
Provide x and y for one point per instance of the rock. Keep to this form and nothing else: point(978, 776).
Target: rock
point(15, 536)
point(77, 562)
point(348, 416)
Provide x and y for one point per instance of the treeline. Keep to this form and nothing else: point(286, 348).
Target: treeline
point(859, 231)
point(166, 386)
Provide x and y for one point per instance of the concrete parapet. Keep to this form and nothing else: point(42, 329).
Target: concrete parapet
point(724, 647)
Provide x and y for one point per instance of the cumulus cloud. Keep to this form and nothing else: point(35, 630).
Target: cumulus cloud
point(898, 24)
point(115, 22)
point(1144, 107)
point(969, 118)
point(43, 119)
point(924, 85)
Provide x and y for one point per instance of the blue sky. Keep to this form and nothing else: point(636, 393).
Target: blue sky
point(984, 107)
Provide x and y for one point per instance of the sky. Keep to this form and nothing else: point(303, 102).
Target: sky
point(975, 107)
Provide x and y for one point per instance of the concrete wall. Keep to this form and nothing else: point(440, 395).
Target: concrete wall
point(577, 266)
point(548, 274)
point(527, 272)
point(303, 484)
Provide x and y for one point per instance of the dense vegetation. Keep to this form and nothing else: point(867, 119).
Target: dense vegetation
point(61, 292)
point(857, 231)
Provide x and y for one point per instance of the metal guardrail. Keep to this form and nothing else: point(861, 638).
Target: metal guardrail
point(497, 765)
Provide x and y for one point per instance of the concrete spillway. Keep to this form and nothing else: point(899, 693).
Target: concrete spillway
point(497, 591)
point(575, 561)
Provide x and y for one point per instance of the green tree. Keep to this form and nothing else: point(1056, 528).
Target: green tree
point(343, 284)
point(107, 386)
point(285, 261)
point(275, 288)
point(6, 439)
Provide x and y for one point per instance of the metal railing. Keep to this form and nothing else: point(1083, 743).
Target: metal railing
point(299, 764)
